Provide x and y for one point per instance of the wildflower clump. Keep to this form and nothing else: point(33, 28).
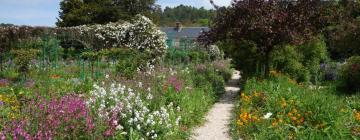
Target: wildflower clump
point(9, 106)
point(129, 111)
point(245, 118)
point(65, 117)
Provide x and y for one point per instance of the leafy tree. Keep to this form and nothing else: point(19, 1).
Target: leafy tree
point(187, 15)
point(342, 36)
point(80, 12)
point(134, 7)
point(267, 23)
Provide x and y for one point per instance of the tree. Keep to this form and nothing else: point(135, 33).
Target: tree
point(267, 23)
point(134, 7)
point(187, 15)
point(342, 36)
point(80, 12)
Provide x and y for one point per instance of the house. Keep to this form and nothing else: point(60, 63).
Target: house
point(182, 36)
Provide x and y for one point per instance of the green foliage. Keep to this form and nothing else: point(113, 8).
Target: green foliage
point(342, 34)
point(288, 60)
point(350, 75)
point(187, 15)
point(188, 55)
point(245, 56)
point(206, 75)
point(51, 49)
point(23, 57)
point(77, 12)
point(90, 55)
point(9, 74)
point(300, 62)
point(130, 62)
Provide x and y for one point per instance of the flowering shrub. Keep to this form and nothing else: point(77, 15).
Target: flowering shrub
point(140, 34)
point(214, 52)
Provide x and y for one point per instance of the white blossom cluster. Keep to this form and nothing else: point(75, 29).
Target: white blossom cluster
point(214, 51)
point(139, 34)
point(134, 110)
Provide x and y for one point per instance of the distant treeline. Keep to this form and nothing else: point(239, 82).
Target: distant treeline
point(187, 15)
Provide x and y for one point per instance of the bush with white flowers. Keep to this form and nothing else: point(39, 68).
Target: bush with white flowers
point(141, 34)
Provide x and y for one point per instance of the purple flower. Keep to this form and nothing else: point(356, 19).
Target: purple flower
point(1, 103)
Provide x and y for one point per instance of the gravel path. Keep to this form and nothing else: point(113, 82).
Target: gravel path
point(217, 122)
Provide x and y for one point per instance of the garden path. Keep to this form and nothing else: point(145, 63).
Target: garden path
point(218, 118)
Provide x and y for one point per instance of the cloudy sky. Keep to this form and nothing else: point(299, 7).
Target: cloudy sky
point(44, 12)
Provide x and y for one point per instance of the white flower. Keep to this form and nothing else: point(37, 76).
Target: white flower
point(268, 115)
point(119, 127)
point(107, 76)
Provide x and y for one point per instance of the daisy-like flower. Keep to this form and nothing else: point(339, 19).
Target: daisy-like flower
point(268, 115)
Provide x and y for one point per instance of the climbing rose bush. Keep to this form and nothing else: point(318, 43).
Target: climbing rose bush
point(141, 34)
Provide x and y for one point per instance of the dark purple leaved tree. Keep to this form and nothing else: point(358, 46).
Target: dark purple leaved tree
point(268, 23)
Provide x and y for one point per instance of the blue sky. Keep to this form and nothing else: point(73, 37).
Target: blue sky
point(44, 12)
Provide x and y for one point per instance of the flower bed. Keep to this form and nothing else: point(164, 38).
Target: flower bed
point(162, 103)
point(279, 108)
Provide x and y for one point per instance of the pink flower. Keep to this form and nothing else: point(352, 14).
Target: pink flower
point(176, 83)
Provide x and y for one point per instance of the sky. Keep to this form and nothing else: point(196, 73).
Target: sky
point(45, 12)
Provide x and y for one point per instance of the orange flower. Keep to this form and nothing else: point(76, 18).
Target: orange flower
point(55, 76)
point(245, 118)
point(357, 115)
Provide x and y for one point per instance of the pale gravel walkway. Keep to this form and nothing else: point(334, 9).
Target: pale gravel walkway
point(217, 122)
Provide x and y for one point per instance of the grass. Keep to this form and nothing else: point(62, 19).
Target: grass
point(280, 108)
